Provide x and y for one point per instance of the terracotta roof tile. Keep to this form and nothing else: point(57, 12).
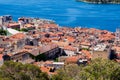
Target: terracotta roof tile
point(18, 36)
point(87, 53)
point(69, 48)
point(73, 59)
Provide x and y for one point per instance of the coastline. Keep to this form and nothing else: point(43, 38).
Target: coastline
point(80, 14)
point(96, 2)
point(69, 26)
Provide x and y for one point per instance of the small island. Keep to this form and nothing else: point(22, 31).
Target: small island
point(101, 1)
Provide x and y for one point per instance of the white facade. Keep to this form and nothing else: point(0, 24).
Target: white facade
point(70, 53)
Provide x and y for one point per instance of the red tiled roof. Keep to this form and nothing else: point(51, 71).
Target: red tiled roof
point(47, 70)
point(73, 59)
point(69, 48)
point(61, 44)
point(85, 43)
point(49, 26)
point(87, 53)
point(18, 36)
point(13, 24)
point(70, 39)
point(28, 25)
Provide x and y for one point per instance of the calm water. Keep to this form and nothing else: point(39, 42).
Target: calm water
point(65, 12)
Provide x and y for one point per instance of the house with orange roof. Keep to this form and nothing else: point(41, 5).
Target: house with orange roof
point(14, 25)
point(19, 40)
point(49, 27)
point(87, 54)
point(50, 63)
point(44, 41)
point(78, 59)
point(28, 26)
point(56, 39)
point(61, 44)
point(49, 67)
point(13, 43)
point(72, 59)
point(85, 44)
point(54, 35)
point(18, 36)
point(107, 37)
point(49, 70)
point(70, 39)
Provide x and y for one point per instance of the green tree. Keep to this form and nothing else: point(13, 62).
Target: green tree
point(24, 30)
point(116, 74)
point(3, 32)
point(98, 69)
point(18, 71)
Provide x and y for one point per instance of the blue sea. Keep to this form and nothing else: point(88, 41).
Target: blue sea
point(65, 12)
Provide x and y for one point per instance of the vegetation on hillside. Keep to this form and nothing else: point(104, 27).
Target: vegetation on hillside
point(18, 71)
point(98, 69)
point(101, 1)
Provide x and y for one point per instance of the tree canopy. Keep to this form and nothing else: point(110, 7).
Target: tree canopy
point(98, 69)
point(3, 32)
point(18, 71)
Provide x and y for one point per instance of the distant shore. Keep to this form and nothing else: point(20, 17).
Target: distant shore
point(98, 2)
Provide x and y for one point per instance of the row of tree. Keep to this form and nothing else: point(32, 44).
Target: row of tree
point(98, 69)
